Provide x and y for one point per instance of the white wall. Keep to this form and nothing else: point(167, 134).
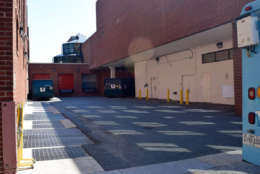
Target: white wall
point(207, 82)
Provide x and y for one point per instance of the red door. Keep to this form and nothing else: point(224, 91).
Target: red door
point(41, 77)
point(66, 82)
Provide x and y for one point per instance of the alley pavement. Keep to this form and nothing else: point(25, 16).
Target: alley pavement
point(129, 133)
point(54, 142)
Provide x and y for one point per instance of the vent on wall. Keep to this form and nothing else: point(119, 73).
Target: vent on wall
point(217, 56)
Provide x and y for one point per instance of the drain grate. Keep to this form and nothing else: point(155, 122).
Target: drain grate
point(47, 126)
point(45, 122)
point(55, 141)
point(58, 153)
point(43, 116)
point(50, 132)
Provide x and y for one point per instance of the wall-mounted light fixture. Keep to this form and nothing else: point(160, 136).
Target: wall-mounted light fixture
point(21, 31)
point(25, 53)
point(219, 45)
point(157, 59)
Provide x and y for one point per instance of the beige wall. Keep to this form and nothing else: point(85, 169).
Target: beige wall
point(211, 82)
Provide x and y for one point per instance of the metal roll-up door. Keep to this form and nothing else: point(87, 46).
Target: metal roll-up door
point(66, 83)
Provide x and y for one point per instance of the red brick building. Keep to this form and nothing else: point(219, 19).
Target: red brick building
point(130, 31)
point(145, 39)
point(39, 71)
point(14, 53)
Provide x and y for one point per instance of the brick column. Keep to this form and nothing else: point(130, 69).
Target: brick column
point(237, 57)
point(6, 64)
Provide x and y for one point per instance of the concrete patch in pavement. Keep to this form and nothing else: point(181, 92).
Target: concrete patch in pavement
point(136, 111)
point(95, 107)
point(78, 111)
point(67, 123)
point(90, 116)
point(171, 107)
point(107, 111)
point(197, 123)
point(201, 110)
point(71, 107)
point(181, 133)
point(106, 123)
point(119, 107)
point(149, 124)
point(126, 117)
point(145, 107)
point(169, 111)
point(125, 132)
point(169, 117)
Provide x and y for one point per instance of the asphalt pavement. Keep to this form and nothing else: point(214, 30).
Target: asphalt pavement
point(129, 132)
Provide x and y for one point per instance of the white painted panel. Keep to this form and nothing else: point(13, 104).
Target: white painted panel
point(227, 91)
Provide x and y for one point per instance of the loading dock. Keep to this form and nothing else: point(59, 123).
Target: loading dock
point(66, 83)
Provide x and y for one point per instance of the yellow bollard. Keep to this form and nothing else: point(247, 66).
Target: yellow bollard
point(187, 102)
point(168, 96)
point(140, 94)
point(21, 162)
point(147, 94)
point(181, 96)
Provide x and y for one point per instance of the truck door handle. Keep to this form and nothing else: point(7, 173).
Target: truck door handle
point(251, 131)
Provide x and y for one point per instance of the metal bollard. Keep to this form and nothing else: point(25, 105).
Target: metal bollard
point(168, 96)
point(187, 96)
point(181, 96)
point(147, 94)
point(140, 94)
point(22, 162)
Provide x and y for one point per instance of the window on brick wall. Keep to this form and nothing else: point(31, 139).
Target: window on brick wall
point(17, 36)
point(217, 56)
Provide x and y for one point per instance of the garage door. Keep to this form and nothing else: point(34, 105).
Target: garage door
point(41, 77)
point(89, 83)
point(66, 82)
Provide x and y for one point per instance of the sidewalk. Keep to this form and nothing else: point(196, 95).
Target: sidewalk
point(224, 163)
point(54, 142)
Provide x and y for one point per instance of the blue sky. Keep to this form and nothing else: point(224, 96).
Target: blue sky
point(52, 22)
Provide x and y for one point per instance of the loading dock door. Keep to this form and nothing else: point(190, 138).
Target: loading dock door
point(89, 83)
point(41, 77)
point(66, 83)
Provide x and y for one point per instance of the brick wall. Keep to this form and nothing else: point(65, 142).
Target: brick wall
point(6, 49)
point(237, 57)
point(6, 62)
point(13, 70)
point(76, 69)
point(125, 28)
point(101, 76)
